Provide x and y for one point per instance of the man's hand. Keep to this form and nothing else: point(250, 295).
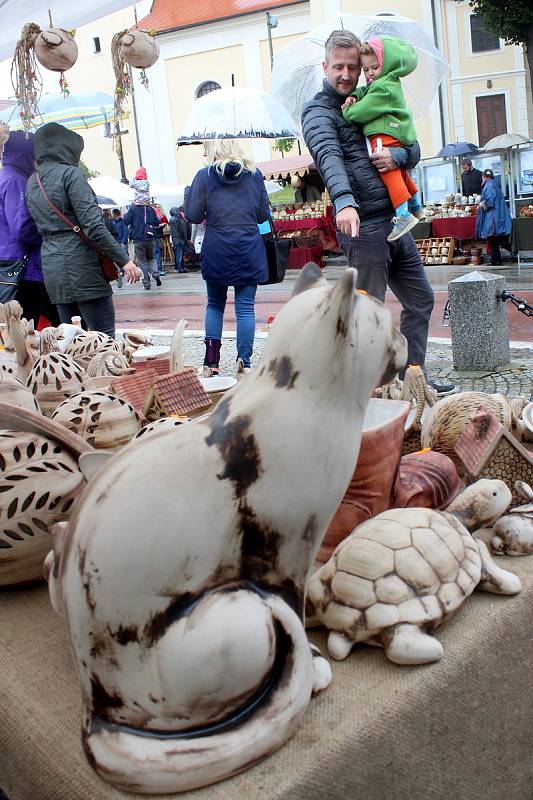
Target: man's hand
point(132, 272)
point(350, 100)
point(383, 161)
point(348, 221)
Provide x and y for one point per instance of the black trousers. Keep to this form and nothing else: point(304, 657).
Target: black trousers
point(33, 298)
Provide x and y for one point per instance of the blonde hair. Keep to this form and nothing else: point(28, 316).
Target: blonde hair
point(366, 50)
point(220, 152)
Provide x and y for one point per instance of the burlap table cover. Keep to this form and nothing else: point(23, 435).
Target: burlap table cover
point(457, 730)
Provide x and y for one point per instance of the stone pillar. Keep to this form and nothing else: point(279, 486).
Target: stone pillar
point(478, 322)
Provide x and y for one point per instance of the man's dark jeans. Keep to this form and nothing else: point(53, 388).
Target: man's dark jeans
point(397, 265)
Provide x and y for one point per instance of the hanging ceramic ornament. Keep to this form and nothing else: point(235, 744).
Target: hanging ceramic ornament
point(56, 50)
point(135, 48)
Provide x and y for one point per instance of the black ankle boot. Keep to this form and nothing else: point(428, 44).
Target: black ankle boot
point(212, 355)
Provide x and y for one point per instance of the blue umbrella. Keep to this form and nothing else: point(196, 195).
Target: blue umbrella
point(457, 149)
point(75, 111)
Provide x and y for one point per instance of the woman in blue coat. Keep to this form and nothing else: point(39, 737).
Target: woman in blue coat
point(493, 221)
point(230, 196)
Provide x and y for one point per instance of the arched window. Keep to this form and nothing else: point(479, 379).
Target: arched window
point(206, 87)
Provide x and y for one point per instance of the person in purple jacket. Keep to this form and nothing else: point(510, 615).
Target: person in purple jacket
point(230, 196)
point(18, 235)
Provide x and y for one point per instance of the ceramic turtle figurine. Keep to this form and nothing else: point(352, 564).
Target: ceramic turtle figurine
point(399, 575)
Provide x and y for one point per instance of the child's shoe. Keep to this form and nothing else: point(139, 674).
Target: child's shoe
point(401, 226)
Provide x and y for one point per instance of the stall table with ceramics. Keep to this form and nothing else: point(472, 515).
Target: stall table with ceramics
point(458, 728)
point(459, 228)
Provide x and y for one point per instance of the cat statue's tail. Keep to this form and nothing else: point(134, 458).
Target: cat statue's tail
point(160, 763)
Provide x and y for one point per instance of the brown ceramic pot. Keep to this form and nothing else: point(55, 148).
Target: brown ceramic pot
point(426, 479)
point(370, 489)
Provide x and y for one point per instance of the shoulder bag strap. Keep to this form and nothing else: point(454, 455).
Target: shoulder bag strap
point(66, 220)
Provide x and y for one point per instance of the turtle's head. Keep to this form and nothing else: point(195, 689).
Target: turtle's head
point(481, 504)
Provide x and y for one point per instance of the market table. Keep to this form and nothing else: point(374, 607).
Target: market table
point(460, 228)
point(422, 230)
point(325, 226)
point(457, 729)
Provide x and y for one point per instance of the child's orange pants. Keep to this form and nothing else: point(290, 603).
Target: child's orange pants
point(399, 183)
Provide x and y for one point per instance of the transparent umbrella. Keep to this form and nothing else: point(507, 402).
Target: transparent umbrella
point(236, 113)
point(298, 73)
point(504, 141)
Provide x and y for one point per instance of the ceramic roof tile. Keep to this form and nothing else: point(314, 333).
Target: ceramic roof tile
point(161, 365)
point(166, 15)
point(133, 388)
point(181, 393)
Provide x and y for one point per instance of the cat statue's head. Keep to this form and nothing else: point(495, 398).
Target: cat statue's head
point(331, 335)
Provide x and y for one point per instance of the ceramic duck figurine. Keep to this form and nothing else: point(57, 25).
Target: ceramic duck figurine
point(210, 570)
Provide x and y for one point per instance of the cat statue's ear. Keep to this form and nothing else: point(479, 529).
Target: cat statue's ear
point(310, 276)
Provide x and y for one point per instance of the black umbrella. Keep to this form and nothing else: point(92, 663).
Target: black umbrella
point(107, 202)
point(457, 149)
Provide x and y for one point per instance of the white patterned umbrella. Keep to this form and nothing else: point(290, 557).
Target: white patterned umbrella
point(236, 113)
point(297, 74)
point(504, 141)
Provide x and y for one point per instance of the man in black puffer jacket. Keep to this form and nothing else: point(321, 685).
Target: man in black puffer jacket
point(362, 206)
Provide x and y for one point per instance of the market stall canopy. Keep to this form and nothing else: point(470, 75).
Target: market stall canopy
point(65, 14)
point(297, 74)
point(77, 112)
point(236, 113)
point(279, 168)
point(504, 141)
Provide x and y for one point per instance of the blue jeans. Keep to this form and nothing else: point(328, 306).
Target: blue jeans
point(178, 256)
point(244, 312)
point(99, 314)
point(397, 265)
point(157, 244)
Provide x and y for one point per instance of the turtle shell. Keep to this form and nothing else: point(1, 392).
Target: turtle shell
point(403, 566)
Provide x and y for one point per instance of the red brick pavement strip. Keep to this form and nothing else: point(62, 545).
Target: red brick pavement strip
point(164, 311)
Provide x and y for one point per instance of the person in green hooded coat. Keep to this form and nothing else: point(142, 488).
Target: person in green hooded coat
point(72, 273)
point(381, 109)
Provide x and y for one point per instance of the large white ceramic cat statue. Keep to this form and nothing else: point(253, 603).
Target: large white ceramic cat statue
point(182, 575)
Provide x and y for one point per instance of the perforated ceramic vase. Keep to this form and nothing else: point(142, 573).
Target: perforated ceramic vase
point(85, 346)
point(56, 49)
point(104, 420)
point(39, 481)
point(55, 377)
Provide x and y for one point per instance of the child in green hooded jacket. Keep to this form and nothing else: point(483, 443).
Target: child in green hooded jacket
point(381, 109)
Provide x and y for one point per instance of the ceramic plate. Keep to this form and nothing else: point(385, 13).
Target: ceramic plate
point(154, 351)
point(218, 383)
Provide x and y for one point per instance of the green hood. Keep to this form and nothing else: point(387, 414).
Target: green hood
point(54, 142)
point(399, 57)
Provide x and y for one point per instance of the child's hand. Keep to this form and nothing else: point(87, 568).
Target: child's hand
point(350, 100)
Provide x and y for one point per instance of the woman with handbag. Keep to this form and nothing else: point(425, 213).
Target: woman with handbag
point(230, 195)
point(21, 276)
point(76, 241)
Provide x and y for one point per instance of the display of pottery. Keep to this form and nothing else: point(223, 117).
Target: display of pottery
point(447, 419)
point(132, 341)
point(39, 481)
point(56, 49)
point(55, 377)
point(402, 573)
point(85, 345)
point(104, 420)
point(199, 567)
point(139, 48)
